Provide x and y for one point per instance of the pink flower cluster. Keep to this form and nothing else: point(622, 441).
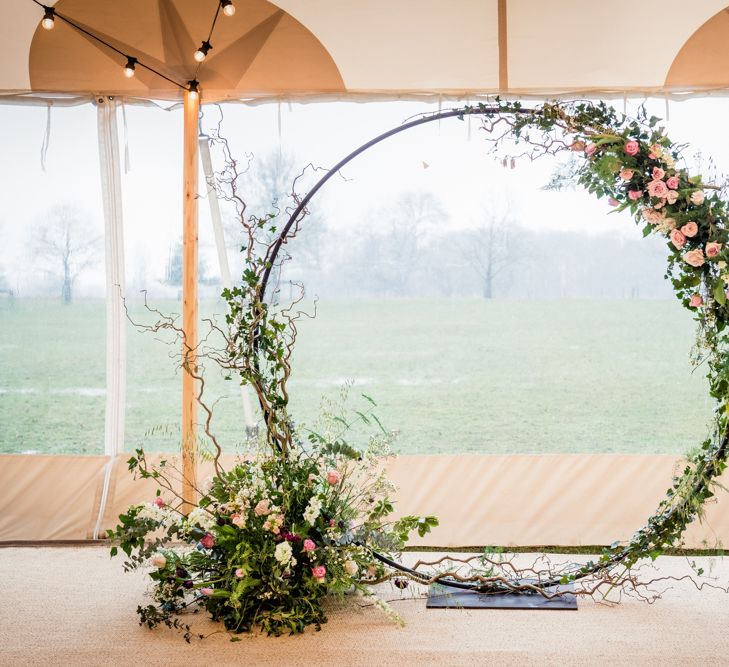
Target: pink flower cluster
point(319, 573)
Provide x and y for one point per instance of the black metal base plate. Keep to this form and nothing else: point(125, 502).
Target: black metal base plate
point(445, 597)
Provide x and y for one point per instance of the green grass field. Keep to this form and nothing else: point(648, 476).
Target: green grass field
point(450, 375)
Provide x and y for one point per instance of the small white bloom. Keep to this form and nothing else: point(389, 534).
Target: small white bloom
point(199, 517)
point(312, 511)
point(283, 553)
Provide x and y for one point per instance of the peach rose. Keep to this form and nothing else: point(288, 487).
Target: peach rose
point(658, 173)
point(690, 229)
point(626, 174)
point(672, 197)
point(652, 216)
point(696, 301)
point(207, 592)
point(333, 477)
point(672, 182)
point(697, 197)
point(237, 520)
point(635, 195)
point(678, 239)
point(590, 149)
point(263, 507)
point(657, 189)
point(632, 147)
point(694, 257)
point(159, 561)
point(713, 249)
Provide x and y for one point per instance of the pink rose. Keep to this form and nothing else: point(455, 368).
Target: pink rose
point(658, 173)
point(635, 195)
point(657, 189)
point(263, 507)
point(632, 147)
point(206, 591)
point(626, 174)
point(613, 202)
point(697, 197)
point(694, 257)
point(333, 477)
point(240, 573)
point(678, 239)
point(309, 545)
point(672, 182)
point(690, 229)
point(319, 572)
point(590, 149)
point(713, 249)
point(672, 197)
point(159, 502)
point(208, 541)
point(237, 520)
point(696, 301)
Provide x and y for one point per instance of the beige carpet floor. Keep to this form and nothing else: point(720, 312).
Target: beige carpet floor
point(75, 606)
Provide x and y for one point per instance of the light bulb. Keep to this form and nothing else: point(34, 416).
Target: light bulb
point(200, 54)
point(49, 19)
point(130, 67)
point(228, 7)
point(193, 89)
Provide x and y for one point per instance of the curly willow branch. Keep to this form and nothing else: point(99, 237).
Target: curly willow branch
point(624, 158)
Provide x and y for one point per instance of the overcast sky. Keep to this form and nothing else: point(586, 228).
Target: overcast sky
point(460, 172)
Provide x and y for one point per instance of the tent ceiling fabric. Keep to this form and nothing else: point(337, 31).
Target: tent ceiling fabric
point(379, 48)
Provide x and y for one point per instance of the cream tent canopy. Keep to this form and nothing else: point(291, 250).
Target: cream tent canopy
point(378, 48)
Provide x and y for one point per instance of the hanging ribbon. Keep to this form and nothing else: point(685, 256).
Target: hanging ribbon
point(46, 137)
point(127, 161)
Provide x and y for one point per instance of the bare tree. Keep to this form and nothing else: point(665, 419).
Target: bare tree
point(65, 246)
point(409, 222)
point(269, 184)
point(490, 248)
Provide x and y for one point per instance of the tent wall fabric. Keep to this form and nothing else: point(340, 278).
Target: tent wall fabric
point(382, 48)
point(562, 499)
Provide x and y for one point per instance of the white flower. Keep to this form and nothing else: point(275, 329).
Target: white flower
point(351, 568)
point(199, 517)
point(161, 515)
point(283, 553)
point(313, 510)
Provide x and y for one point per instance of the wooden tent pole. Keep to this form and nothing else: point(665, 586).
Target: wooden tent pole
point(189, 298)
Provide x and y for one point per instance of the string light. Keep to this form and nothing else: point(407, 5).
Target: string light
point(130, 67)
point(228, 7)
point(49, 18)
point(200, 54)
point(193, 88)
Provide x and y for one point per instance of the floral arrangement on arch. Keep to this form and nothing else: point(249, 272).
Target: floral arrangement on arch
point(671, 203)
